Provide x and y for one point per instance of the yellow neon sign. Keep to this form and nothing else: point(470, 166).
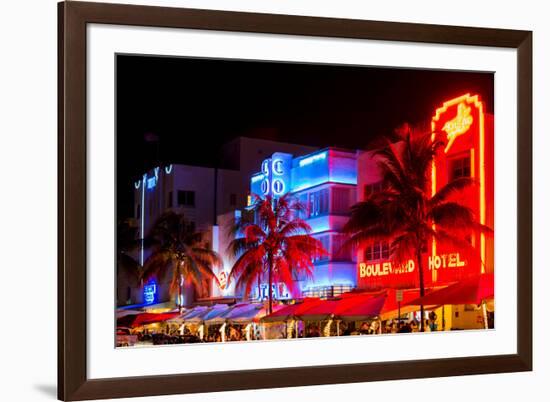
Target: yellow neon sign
point(458, 125)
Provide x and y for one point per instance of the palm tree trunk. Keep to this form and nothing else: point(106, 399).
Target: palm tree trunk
point(260, 287)
point(270, 280)
point(180, 291)
point(421, 284)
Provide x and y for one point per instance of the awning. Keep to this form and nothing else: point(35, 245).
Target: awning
point(293, 310)
point(472, 290)
point(243, 313)
point(121, 313)
point(192, 312)
point(350, 307)
point(216, 315)
point(391, 306)
point(360, 307)
point(137, 320)
point(320, 312)
point(203, 313)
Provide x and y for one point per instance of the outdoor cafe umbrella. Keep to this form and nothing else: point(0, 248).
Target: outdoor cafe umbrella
point(473, 290)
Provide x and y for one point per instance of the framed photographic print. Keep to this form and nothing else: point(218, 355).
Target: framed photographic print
point(252, 201)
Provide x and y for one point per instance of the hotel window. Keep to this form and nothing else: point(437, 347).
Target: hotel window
point(170, 199)
point(340, 201)
point(385, 250)
point(186, 198)
point(339, 251)
point(325, 241)
point(318, 203)
point(303, 213)
point(459, 167)
point(377, 251)
point(373, 188)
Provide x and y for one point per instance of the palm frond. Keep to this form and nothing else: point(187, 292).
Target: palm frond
point(295, 227)
point(157, 264)
point(453, 187)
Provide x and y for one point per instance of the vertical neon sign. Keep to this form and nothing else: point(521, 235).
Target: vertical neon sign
point(455, 127)
point(150, 293)
point(142, 217)
point(274, 177)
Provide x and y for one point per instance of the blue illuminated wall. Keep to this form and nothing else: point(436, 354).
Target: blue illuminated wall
point(322, 167)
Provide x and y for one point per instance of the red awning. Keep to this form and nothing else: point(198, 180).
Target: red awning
point(391, 303)
point(357, 306)
point(293, 310)
point(319, 312)
point(360, 307)
point(137, 320)
point(468, 291)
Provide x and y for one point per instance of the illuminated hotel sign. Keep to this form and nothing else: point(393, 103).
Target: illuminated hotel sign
point(384, 268)
point(458, 125)
point(462, 121)
point(451, 260)
point(279, 291)
point(222, 279)
point(388, 268)
point(274, 176)
point(457, 117)
point(152, 181)
point(150, 293)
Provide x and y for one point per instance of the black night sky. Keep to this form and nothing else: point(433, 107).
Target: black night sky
point(196, 105)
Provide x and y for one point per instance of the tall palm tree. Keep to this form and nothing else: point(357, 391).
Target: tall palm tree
point(278, 245)
point(128, 268)
point(179, 250)
point(405, 213)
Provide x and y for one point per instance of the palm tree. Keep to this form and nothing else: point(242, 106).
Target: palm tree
point(179, 250)
point(278, 245)
point(405, 213)
point(128, 269)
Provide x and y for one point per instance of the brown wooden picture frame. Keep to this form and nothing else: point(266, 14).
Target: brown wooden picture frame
point(73, 17)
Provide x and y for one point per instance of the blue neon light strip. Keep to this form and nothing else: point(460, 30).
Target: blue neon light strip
point(308, 160)
point(257, 177)
point(323, 167)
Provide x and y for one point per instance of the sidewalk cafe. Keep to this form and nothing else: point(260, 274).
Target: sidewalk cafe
point(466, 304)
